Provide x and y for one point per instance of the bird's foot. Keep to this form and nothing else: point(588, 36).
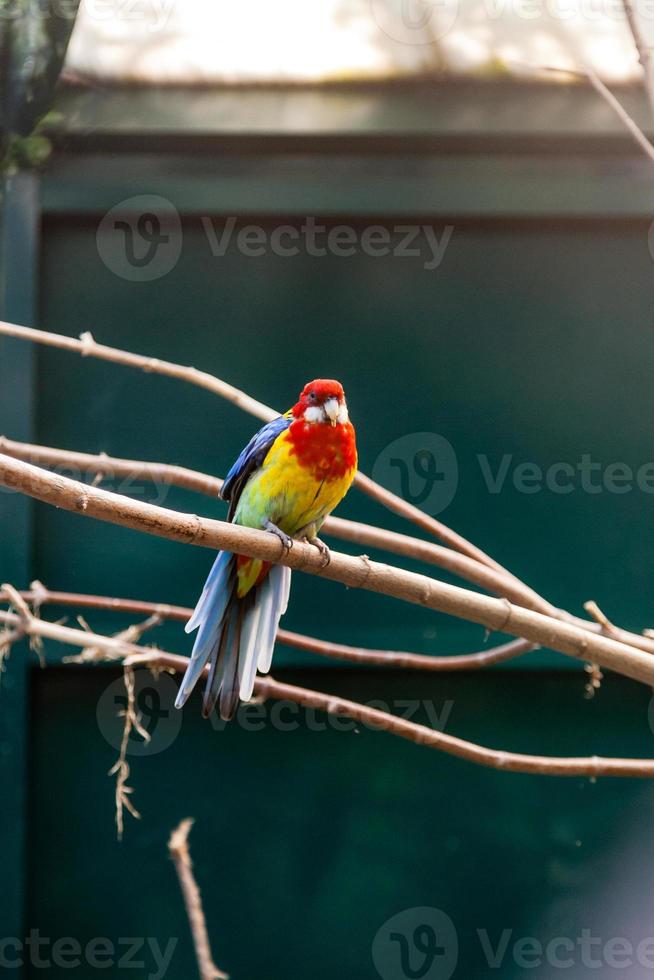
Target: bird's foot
point(286, 540)
point(322, 548)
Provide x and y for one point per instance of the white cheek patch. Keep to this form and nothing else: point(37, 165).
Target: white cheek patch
point(314, 413)
point(343, 414)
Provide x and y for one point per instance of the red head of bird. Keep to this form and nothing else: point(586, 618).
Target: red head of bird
point(322, 400)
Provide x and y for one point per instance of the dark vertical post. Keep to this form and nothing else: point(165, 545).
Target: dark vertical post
point(19, 246)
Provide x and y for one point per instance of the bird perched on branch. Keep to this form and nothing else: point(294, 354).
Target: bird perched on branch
point(289, 477)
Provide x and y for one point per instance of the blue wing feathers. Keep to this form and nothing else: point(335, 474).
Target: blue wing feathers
point(252, 457)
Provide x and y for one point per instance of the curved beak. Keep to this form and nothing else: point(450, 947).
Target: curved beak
point(332, 409)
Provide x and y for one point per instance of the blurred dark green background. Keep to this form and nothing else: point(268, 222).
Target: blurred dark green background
point(532, 339)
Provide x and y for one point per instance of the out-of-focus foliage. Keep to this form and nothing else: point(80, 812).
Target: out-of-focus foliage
point(34, 36)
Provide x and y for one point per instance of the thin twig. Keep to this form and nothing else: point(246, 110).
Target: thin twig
point(179, 852)
point(267, 688)
point(594, 610)
point(610, 99)
point(324, 648)
point(643, 50)
point(121, 768)
point(498, 615)
point(621, 113)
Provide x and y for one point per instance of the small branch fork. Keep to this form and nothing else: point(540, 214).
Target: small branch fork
point(266, 688)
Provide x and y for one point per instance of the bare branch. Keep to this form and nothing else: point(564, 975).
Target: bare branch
point(325, 648)
point(266, 687)
point(408, 661)
point(87, 347)
point(179, 852)
point(495, 614)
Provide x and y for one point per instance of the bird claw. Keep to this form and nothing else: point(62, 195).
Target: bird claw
point(322, 548)
point(286, 540)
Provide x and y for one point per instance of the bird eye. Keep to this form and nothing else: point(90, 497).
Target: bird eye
point(312, 396)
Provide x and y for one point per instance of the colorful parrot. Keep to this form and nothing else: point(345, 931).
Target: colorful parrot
point(289, 477)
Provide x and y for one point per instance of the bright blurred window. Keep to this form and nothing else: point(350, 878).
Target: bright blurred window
point(215, 41)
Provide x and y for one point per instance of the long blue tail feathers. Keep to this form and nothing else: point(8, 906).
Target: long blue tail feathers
point(236, 636)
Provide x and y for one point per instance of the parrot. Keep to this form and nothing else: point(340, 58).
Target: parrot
point(287, 480)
